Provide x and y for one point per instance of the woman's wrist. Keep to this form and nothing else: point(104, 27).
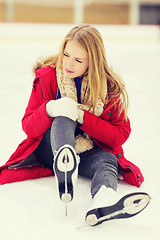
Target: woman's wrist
point(49, 108)
point(80, 118)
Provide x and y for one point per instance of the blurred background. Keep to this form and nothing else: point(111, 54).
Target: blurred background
point(81, 11)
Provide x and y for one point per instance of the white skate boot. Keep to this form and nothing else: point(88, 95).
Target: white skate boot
point(108, 205)
point(66, 171)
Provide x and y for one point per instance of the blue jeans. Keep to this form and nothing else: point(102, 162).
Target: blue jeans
point(96, 164)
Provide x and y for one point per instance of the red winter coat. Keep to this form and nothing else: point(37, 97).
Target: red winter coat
point(108, 131)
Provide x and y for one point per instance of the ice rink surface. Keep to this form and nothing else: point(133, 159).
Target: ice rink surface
point(32, 209)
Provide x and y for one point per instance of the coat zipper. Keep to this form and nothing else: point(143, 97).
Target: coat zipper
point(42, 89)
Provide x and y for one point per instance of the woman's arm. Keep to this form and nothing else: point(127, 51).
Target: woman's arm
point(35, 121)
point(109, 128)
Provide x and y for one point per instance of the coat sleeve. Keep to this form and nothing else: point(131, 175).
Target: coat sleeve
point(108, 128)
point(35, 121)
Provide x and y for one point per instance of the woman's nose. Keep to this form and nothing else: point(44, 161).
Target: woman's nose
point(70, 64)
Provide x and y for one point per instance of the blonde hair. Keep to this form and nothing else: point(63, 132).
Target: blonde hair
point(102, 80)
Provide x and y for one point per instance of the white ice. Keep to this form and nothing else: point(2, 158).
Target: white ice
point(32, 209)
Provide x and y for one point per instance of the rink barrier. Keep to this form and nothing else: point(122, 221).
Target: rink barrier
point(51, 33)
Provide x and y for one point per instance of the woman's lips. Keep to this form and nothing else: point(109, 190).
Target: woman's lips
point(68, 71)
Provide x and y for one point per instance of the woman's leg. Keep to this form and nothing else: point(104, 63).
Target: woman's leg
point(44, 152)
point(65, 158)
point(100, 166)
point(62, 132)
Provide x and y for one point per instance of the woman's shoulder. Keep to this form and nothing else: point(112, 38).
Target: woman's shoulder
point(46, 76)
point(47, 70)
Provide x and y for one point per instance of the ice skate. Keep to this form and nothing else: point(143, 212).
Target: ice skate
point(66, 171)
point(106, 206)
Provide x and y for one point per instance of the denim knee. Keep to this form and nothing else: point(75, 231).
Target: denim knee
point(62, 132)
point(106, 159)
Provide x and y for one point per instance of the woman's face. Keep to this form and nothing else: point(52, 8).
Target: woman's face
point(75, 60)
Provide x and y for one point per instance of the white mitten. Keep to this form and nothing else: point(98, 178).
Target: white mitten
point(80, 118)
point(65, 107)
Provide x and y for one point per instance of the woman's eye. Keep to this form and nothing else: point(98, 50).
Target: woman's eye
point(78, 61)
point(66, 55)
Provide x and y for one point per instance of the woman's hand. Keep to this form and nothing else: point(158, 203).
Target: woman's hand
point(80, 118)
point(65, 107)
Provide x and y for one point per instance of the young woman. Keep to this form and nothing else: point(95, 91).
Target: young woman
point(76, 122)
